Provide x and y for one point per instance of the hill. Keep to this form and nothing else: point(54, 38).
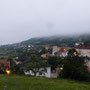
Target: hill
point(59, 40)
point(52, 40)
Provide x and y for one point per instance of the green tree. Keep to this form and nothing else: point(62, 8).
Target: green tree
point(17, 69)
point(74, 67)
point(35, 64)
point(54, 61)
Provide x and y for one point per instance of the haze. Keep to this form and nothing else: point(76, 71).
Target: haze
point(23, 19)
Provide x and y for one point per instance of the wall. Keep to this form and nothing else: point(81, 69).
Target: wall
point(84, 52)
point(46, 74)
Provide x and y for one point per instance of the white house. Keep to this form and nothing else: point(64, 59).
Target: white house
point(45, 74)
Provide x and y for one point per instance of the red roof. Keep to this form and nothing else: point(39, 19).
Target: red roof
point(4, 62)
point(62, 49)
point(88, 47)
point(43, 56)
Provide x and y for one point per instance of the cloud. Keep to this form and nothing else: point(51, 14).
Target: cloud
point(23, 19)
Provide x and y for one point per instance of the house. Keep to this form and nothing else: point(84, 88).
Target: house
point(62, 52)
point(17, 62)
point(55, 49)
point(48, 73)
point(5, 65)
point(47, 47)
point(83, 51)
point(79, 43)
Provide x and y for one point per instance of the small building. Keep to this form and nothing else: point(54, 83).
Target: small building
point(60, 51)
point(49, 73)
point(5, 65)
point(17, 62)
point(55, 49)
point(83, 51)
point(47, 47)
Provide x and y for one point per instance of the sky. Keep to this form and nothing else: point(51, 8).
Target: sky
point(23, 19)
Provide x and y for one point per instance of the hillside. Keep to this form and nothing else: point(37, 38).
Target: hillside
point(53, 40)
point(59, 40)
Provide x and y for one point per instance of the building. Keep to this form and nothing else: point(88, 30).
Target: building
point(62, 52)
point(47, 47)
point(55, 49)
point(17, 62)
point(5, 65)
point(83, 52)
point(45, 74)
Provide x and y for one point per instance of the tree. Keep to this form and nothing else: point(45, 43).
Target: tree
point(74, 67)
point(54, 61)
point(35, 64)
point(17, 69)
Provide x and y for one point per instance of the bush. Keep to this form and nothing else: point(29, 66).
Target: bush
point(17, 70)
point(74, 67)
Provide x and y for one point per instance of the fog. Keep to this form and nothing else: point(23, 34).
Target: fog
point(24, 19)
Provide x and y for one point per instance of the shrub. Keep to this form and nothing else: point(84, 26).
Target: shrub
point(74, 67)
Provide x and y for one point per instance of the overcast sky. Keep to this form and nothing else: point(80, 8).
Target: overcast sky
point(23, 19)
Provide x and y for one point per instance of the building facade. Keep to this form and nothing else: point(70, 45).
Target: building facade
point(4, 65)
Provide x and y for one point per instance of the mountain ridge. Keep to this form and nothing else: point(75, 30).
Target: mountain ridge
point(59, 40)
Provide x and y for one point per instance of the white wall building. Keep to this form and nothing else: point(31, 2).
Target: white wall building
point(55, 49)
point(45, 74)
point(84, 52)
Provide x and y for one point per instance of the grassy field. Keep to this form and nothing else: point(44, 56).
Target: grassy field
point(14, 82)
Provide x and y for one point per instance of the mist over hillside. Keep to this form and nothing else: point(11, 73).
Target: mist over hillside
point(59, 40)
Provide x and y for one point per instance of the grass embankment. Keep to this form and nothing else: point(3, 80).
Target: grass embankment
point(15, 82)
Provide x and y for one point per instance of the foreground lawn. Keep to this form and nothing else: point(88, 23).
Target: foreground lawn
point(15, 82)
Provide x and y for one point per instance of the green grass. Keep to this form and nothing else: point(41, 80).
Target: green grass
point(15, 82)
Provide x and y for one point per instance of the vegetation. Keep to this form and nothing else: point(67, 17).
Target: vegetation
point(53, 40)
point(59, 40)
point(16, 82)
point(54, 61)
point(35, 64)
point(17, 69)
point(74, 67)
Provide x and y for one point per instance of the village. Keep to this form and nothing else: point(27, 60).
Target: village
point(44, 44)
point(45, 52)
